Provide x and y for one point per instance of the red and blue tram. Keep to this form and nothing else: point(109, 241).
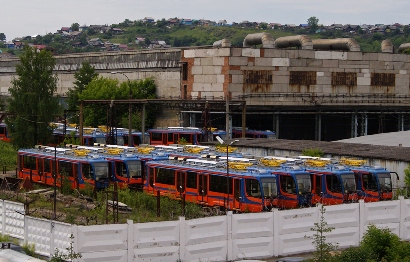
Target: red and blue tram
point(294, 182)
point(250, 133)
point(374, 183)
point(4, 134)
point(333, 185)
point(209, 184)
point(41, 163)
point(174, 135)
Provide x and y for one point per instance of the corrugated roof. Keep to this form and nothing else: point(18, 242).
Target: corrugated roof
point(384, 139)
point(358, 150)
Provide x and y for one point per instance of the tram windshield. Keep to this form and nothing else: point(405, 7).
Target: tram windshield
point(101, 171)
point(385, 182)
point(370, 182)
point(134, 168)
point(270, 188)
point(349, 182)
point(303, 183)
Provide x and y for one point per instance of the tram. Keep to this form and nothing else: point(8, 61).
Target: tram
point(4, 133)
point(374, 183)
point(249, 133)
point(208, 183)
point(332, 184)
point(49, 165)
point(294, 182)
point(174, 135)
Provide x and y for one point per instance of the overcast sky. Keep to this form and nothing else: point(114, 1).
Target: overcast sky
point(32, 17)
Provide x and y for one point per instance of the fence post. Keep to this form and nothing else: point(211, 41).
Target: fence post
point(362, 222)
point(52, 237)
point(130, 242)
point(275, 213)
point(158, 204)
point(403, 231)
point(182, 239)
point(229, 242)
point(25, 241)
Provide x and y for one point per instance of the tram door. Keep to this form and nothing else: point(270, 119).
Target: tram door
point(181, 183)
point(236, 194)
point(202, 188)
point(165, 138)
point(40, 167)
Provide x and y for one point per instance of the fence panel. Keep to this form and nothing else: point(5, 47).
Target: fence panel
point(39, 233)
point(61, 233)
point(252, 235)
point(345, 219)
point(383, 214)
point(101, 242)
point(294, 230)
point(158, 241)
point(14, 219)
point(206, 239)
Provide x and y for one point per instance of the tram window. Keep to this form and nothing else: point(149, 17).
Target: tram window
point(170, 137)
point(263, 136)
point(65, 168)
point(47, 165)
point(165, 176)
point(252, 188)
point(218, 184)
point(287, 184)
point(87, 171)
point(120, 169)
point(333, 184)
point(29, 162)
point(191, 180)
point(156, 136)
point(151, 177)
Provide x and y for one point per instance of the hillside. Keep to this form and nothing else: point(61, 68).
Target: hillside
point(163, 33)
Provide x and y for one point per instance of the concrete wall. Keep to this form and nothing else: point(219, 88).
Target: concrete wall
point(220, 238)
point(250, 72)
point(162, 65)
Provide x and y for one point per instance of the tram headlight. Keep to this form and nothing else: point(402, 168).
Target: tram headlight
point(300, 192)
point(346, 191)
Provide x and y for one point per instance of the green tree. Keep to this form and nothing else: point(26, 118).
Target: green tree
point(110, 89)
point(2, 37)
point(75, 27)
point(263, 25)
point(82, 78)
point(32, 99)
point(323, 249)
point(313, 23)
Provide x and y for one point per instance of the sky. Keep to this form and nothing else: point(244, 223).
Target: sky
point(39, 17)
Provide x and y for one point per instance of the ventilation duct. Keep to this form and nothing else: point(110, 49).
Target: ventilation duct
point(347, 44)
point(222, 43)
point(387, 46)
point(303, 41)
point(403, 47)
point(259, 38)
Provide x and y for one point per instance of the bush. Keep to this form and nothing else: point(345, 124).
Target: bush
point(381, 242)
point(315, 152)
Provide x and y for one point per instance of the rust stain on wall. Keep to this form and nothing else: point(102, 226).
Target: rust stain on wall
point(257, 81)
point(348, 79)
point(383, 79)
point(302, 78)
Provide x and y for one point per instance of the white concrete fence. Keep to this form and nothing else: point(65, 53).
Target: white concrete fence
point(219, 238)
